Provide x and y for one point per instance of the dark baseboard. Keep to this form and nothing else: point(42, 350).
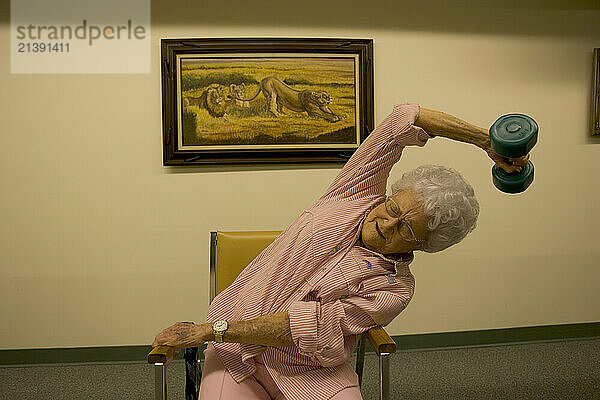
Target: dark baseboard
point(497, 337)
point(404, 342)
point(74, 355)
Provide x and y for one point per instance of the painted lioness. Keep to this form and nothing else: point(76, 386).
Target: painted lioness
point(280, 95)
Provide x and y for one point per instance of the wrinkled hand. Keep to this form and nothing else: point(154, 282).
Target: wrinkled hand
point(509, 165)
point(182, 335)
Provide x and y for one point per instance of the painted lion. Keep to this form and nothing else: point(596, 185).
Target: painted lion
point(214, 99)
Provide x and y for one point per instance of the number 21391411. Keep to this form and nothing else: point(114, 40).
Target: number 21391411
point(41, 47)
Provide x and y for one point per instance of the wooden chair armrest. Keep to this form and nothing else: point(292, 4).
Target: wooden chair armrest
point(161, 354)
point(381, 341)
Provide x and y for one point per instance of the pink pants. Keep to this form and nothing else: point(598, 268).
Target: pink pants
point(218, 384)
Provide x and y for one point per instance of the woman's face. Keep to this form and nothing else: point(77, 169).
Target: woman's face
point(396, 226)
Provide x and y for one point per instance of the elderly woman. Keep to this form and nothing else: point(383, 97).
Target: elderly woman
point(287, 326)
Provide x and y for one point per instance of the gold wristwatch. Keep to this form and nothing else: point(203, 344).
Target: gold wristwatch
point(219, 328)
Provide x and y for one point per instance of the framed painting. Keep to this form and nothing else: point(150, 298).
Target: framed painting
point(264, 101)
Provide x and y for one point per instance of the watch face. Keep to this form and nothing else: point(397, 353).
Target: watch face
point(220, 325)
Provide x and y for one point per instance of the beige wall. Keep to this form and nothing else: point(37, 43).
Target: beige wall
point(102, 245)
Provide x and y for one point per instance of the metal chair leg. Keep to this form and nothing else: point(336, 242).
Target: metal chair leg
point(384, 376)
point(160, 381)
point(192, 375)
point(360, 358)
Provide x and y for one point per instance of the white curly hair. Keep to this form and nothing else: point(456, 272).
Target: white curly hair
point(447, 199)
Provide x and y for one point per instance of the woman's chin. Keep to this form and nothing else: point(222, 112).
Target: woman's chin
point(375, 245)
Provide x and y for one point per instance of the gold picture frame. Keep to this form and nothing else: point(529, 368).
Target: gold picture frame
point(595, 121)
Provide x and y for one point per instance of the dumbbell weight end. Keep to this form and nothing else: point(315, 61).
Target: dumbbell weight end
point(516, 182)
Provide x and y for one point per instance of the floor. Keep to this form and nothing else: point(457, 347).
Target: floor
point(553, 370)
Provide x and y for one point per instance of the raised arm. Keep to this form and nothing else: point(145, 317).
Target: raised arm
point(366, 173)
point(438, 123)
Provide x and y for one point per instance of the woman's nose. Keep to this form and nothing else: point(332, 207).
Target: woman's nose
point(390, 222)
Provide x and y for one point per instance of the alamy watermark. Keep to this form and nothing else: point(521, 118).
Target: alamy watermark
point(80, 36)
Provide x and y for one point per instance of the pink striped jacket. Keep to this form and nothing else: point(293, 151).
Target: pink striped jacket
point(333, 289)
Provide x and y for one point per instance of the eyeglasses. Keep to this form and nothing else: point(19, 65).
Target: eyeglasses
point(405, 231)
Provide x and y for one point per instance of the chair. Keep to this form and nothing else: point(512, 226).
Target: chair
point(230, 252)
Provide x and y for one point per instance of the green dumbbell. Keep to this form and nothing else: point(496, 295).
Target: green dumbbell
point(513, 135)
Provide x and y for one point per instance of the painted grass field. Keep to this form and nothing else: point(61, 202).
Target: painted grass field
point(253, 123)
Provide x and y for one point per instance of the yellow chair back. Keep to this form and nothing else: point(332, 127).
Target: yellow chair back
point(231, 252)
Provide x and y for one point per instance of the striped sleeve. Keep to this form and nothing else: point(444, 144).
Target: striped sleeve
point(366, 172)
point(318, 330)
